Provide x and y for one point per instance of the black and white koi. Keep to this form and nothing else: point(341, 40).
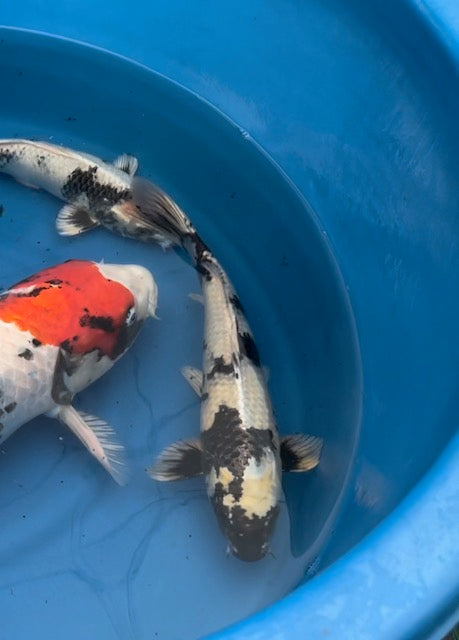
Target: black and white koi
point(97, 193)
point(240, 451)
point(60, 330)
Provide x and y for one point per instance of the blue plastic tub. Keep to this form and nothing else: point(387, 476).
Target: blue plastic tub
point(316, 146)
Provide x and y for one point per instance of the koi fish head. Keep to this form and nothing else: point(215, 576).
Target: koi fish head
point(248, 523)
point(139, 282)
point(245, 497)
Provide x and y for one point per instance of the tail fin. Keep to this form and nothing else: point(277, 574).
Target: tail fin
point(161, 213)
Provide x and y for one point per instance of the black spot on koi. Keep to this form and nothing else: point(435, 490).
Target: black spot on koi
point(205, 273)
point(105, 323)
point(31, 294)
point(84, 182)
point(221, 367)
point(236, 303)
point(227, 444)
point(26, 354)
point(248, 347)
point(5, 157)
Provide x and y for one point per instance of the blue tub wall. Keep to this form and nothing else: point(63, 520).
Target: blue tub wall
point(364, 137)
point(365, 124)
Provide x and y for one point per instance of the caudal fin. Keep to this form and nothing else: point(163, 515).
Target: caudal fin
point(160, 212)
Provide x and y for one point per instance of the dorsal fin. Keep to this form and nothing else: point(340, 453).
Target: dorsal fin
point(127, 163)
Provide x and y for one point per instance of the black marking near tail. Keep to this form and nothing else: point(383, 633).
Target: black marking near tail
point(200, 253)
point(234, 299)
point(205, 273)
point(248, 347)
point(221, 367)
point(201, 249)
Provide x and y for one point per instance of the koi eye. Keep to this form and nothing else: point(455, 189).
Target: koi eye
point(131, 317)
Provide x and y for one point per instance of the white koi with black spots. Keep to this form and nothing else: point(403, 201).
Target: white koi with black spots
point(97, 192)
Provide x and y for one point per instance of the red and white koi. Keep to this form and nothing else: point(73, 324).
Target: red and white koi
point(60, 330)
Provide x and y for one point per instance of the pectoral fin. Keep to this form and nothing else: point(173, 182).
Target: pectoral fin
point(196, 297)
point(99, 438)
point(194, 377)
point(74, 219)
point(179, 461)
point(127, 163)
point(300, 452)
point(29, 185)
